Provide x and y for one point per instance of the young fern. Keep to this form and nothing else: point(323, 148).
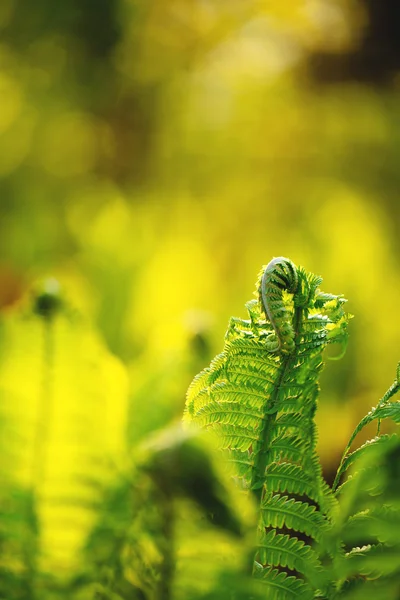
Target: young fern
point(280, 274)
point(260, 396)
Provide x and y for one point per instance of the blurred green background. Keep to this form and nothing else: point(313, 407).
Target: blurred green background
point(154, 154)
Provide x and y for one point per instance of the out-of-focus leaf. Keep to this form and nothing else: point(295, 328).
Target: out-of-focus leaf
point(63, 410)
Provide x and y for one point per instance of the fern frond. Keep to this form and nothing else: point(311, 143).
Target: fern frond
point(68, 416)
point(361, 452)
point(385, 409)
point(260, 395)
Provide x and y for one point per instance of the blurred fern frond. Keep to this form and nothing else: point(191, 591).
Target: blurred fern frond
point(62, 411)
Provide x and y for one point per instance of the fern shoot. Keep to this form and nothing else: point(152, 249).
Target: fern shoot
point(260, 396)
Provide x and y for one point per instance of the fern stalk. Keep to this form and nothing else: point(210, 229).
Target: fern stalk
point(44, 412)
point(263, 456)
point(46, 306)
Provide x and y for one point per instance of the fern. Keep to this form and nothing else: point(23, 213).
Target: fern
point(260, 396)
point(386, 409)
point(79, 518)
point(60, 442)
point(368, 522)
point(168, 523)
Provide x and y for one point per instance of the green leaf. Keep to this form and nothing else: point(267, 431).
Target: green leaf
point(286, 477)
point(280, 511)
point(276, 549)
point(281, 586)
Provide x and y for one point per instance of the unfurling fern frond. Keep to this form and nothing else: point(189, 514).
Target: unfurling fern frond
point(260, 396)
point(279, 275)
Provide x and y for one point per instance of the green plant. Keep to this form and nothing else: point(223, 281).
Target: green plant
point(86, 515)
point(260, 396)
point(86, 510)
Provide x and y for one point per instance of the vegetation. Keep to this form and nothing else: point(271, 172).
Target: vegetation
point(260, 397)
point(80, 517)
point(151, 151)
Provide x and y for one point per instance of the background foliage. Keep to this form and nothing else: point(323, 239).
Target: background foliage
point(154, 154)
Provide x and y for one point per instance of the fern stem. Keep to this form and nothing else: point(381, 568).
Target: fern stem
point(45, 405)
point(263, 456)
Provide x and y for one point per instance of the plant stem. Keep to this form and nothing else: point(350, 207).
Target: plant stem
point(263, 456)
point(261, 460)
point(44, 405)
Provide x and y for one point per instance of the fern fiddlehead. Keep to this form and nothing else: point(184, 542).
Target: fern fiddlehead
point(260, 395)
point(279, 274)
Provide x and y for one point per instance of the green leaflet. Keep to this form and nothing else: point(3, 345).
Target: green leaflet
point(277, 549)
point(286, 477)
point(288, 448)
point(377, 524)
point(282, 587)
point(372, 561)
point(280, 511)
